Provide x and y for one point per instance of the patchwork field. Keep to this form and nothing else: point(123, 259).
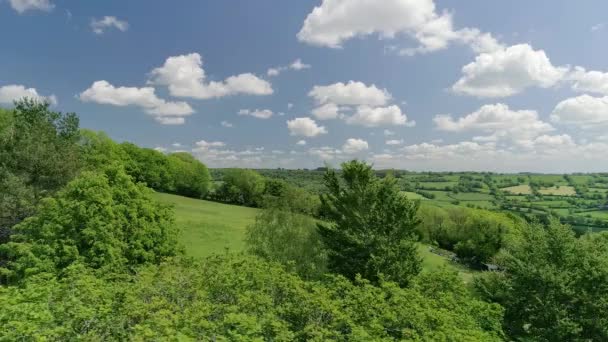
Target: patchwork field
point(523, 189)
point(559, 190)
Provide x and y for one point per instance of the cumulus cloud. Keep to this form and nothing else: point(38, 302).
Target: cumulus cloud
point(185, 77)
point(350, 94)
point(257, 113)
point(326, 111)
point(301, 143)
point(337, 21)
point(296, 65)
point(170, 113)
point(326, 153)
point(352, 146)
point(99, 26)
point(306, 127)
point(13, 92)
point(507, 72)
point(22, 6)
point(388, 132)
point(394, 142)
point(589, 81)
point(380, 116)
point(499, 121)
point(205, 145)
point(584, 111)
point(226, 124)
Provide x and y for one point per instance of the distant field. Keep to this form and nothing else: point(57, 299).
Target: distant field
point(413, 195)
point(562, 190)
point(519, 189)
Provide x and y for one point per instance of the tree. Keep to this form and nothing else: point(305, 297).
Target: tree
point(290, 239)
point(241, 186)
point(102, 220)
point(371, 227)
point(554, 286)
point(38, 155)
point(40, 146)
point(189, 176)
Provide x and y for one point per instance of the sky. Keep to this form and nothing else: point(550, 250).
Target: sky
point(437, 85)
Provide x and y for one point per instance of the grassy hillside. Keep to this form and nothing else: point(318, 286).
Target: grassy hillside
point(211, 227)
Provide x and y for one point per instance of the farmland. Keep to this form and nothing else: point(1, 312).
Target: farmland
point(578, 199)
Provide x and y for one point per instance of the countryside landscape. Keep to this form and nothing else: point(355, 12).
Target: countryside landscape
point(166, 175)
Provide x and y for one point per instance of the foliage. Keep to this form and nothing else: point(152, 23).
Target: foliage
point(240, 299)
point(474, 235)
point(190, 177)
point(279, 194)
point(290, 239)
point(177, 173)
point(241, 186)
point(38, 155)
point(554, 287)
point(371, 227)
point(101, 220)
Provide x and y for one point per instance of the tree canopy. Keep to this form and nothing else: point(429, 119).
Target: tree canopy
point(372, 226)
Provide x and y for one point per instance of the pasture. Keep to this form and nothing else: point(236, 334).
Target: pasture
point(211, 227)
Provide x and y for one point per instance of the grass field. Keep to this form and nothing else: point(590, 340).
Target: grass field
point(519, 189)
point(562, 190)
point(211, 227)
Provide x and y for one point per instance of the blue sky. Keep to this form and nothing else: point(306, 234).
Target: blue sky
point(410, 84)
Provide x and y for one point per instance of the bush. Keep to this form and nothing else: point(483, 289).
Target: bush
point(242, 299)
point(290, 239)
point(101, 220)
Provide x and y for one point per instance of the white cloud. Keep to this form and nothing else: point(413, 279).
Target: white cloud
point(326, 111)
point(13, 92)
point(296, 65)
point(336, 21)
point(352, 146)
point(185, 77)
point(352, 93)
point(203, 145)
point(226, 124)
point(170, 120)
point(584, 111)
point(301, 143)
point(170, 113)
point(326, 153)
point(379, 116)
point(388, 133)
point(507, 72)
point(306, 127)
point(289, 105)
point(100, 25)
point(499, 121)
point(589, 81)
point(31, 5)
point(273, 71)
point(394, 142)
point(257, 113)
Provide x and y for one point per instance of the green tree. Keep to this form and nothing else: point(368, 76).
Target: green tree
point(290, 239)
point(38, 155)
point(372, 226)
point(241, 186)
point(189, 176)
point(102, 220)
point(554, 286)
